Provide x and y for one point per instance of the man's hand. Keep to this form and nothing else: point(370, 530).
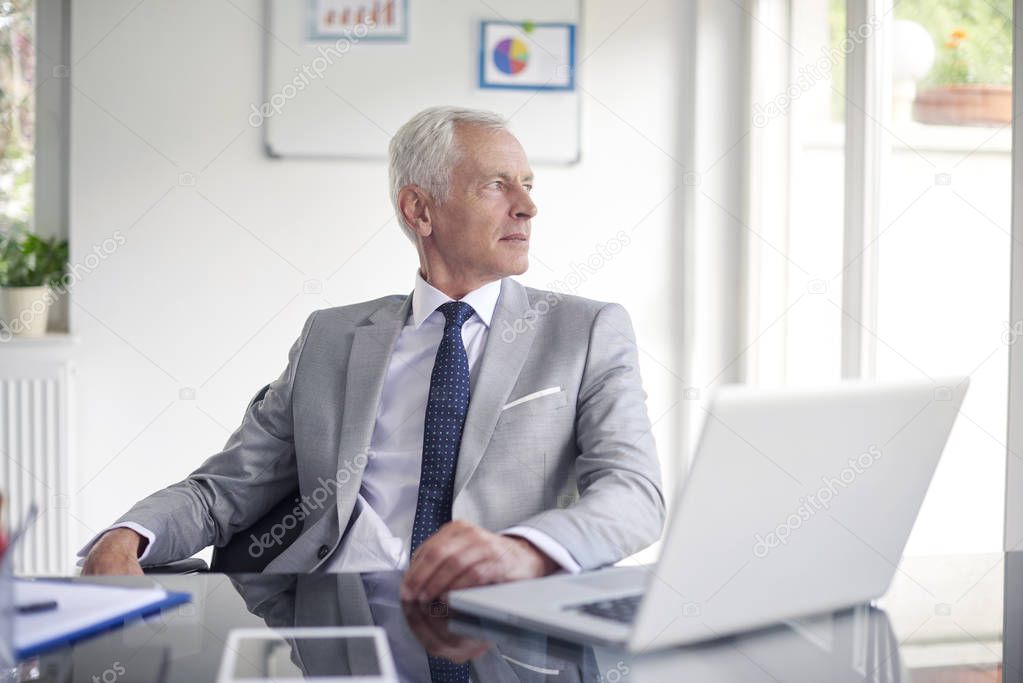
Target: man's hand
point(461, 555)
point(116, 552)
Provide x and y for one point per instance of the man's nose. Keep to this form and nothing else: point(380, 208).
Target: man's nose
point(524, 208)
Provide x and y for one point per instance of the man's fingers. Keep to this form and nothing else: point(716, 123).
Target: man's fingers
point(458, 562)
point(433, 560)
point(421, 565)
point(500, 565)
point(480, 574)
point(452, 537)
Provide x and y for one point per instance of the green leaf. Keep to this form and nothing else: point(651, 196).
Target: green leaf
point(27, 260)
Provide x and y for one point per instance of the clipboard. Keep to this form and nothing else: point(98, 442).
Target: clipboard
point(83, 610)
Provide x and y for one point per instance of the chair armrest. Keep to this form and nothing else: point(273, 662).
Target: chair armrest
point(191, 565)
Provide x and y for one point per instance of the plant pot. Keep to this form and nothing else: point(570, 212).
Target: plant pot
point(24, 310)
point(964, 105)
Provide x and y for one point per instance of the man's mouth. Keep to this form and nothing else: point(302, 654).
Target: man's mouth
point(517, 237)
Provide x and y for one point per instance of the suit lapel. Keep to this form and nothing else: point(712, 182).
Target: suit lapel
point(508, 342)
point(371, 350)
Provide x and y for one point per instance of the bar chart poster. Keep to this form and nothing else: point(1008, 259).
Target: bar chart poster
point(359, 20)
point(527, 56)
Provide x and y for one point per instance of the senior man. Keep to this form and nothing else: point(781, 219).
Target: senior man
point(487, 430)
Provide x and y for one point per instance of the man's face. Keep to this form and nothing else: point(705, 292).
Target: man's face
point(481, 231)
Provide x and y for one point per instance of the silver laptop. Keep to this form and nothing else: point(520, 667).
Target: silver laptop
point(798, 501)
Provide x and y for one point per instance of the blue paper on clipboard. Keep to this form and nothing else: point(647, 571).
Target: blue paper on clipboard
point(83, 609)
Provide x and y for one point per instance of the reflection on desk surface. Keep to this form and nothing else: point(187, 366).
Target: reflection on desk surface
point(186, 643)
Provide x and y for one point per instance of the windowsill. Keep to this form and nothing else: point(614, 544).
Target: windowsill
point(978, 653)
point(51, 341)
point(910, 135)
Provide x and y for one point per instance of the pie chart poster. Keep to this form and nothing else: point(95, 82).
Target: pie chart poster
point(527, 56)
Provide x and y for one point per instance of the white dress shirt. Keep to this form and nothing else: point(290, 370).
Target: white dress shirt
point(380, 537)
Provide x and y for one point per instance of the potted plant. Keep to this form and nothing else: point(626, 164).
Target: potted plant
point(969, 84)
point(29, 266)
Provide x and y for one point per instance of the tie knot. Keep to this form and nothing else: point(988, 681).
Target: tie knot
point(455, 313)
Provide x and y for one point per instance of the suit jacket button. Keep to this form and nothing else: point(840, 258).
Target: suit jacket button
point(322, 552)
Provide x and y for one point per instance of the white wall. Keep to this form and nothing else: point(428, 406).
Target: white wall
point(212, 283)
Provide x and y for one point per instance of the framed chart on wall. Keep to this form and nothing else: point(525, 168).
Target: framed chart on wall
point(527, 56)
point(342, 76)
point(333, 19)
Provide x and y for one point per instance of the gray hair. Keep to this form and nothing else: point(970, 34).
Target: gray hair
point(423, 152)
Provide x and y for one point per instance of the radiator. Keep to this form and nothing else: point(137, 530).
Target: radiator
point(34, 461)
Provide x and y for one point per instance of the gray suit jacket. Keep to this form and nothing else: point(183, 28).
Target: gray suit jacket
point(578, 464)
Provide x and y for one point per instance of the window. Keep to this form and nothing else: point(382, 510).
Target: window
point(34, 124)
point(883, 203)
point(17, 112)
point(797, 203)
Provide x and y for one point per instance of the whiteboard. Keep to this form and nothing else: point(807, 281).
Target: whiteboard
point(348, 101)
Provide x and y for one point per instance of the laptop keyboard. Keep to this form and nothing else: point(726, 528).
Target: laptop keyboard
point(616, 609)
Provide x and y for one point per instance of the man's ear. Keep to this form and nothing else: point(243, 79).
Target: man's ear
point(415, 209)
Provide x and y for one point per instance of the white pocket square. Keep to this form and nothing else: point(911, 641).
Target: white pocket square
point(529, 397)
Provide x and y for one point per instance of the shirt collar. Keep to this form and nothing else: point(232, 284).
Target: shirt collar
point(426, 298)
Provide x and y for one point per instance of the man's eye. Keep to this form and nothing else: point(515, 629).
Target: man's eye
point(529, 188)
point(497, 184)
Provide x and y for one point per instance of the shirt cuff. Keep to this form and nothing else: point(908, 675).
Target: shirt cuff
point(546, 545)
point(137, 528)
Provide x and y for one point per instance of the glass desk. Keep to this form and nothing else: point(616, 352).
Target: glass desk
point(942, 621)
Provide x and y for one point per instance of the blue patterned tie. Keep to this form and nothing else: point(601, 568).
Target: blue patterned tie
point(442, 433)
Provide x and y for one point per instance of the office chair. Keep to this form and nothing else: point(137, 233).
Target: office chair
point(234, 556)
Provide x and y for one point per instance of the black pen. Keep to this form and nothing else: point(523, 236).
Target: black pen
point(33, 607)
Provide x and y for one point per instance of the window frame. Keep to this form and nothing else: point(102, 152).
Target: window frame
point(1013, 539)
point(51, 172)
point(868, 89)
